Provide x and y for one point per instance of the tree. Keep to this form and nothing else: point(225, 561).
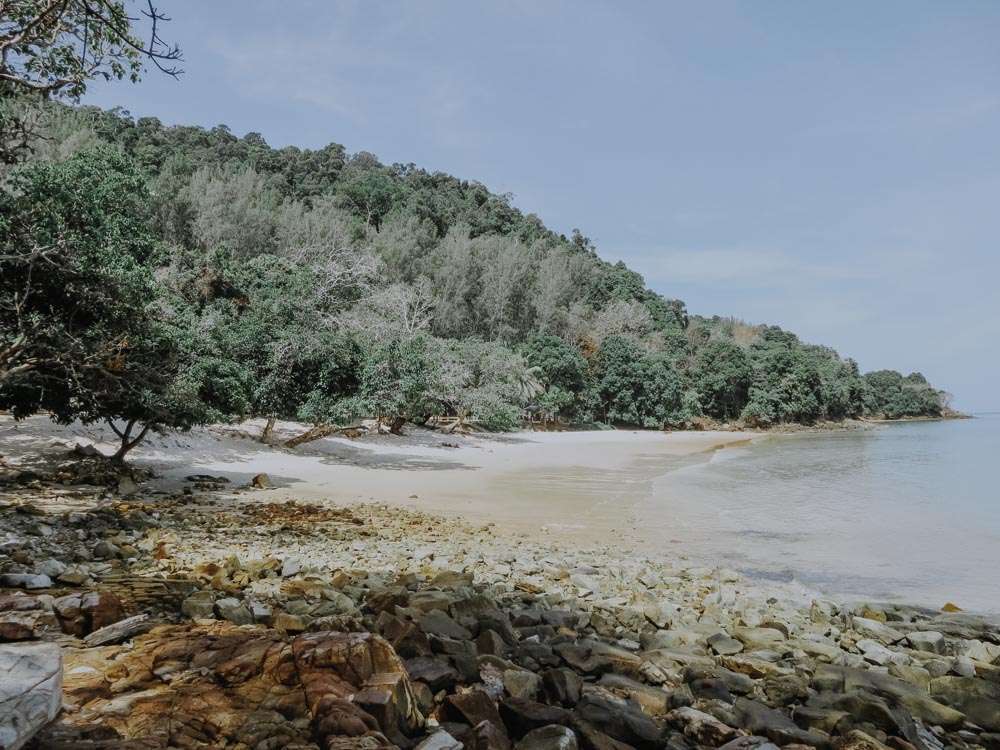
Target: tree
point(485, 380)
point(721, 377)
point(82, 332)
point(51, 48)
point(73, 276)
point(785, 385)
point(564, 373)
point(58, 46)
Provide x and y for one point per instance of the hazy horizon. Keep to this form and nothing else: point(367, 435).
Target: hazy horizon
point(830, 170)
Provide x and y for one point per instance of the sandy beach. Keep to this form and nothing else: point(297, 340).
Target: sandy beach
point(572, 485)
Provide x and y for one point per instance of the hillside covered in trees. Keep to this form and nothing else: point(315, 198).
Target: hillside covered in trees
point(168, 276)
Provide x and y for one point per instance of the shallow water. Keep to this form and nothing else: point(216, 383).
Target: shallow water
point(909, 512)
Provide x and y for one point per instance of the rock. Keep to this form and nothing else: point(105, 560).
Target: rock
point(863, 707)
point(290, 566)
point(287, 622)
point(837, 679)
point(440, 740)
point(876, 653)
point(435, 673)
point(735, 682)
point(758, 719)
point(858, 740)
point(760, 638)
point(262, 482)
point(127, 486)
point(80, 614)
point(487, 736)
point(437, 622)
point(30, 691)
point(723, 645)
point(474, 707)
point(949, 607)
point(24, 625)
point(562, 686)
point(51, 568)
point(653, 700)
point(701, 727)
point(234, 611)
point(595, 657)
point(551, 737)
point(522, 715)
point(429, 599)
point(25, 581)
point(978, 699)
point(786, 690)
point(200, 605)
point(105, 550)
point(332, 666)
point(452, 579)
point(926, 640)
point(620, 719)
point(489, 642)
point(816, 718)
point(878, 631)
point(521, 683)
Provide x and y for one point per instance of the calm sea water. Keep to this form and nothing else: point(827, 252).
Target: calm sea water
point(910, 512)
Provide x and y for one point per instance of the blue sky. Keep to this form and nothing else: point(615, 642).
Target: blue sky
point(830, 168)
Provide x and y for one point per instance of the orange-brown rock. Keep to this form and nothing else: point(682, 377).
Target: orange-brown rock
point(218, 685)
point(83, 613)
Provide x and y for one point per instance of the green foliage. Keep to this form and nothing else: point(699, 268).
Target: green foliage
point(721, 378)
point(785, 382)
point(636, 388)
point(315, 285)
point(74, 280)
point(892, 396)
point(564, 373)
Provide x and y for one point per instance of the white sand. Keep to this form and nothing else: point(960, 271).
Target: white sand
point(576, 485)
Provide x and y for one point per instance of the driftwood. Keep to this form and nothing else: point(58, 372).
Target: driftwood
point(321, 431)
point(119, 631)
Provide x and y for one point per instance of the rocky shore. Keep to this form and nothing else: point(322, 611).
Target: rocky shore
point(223, 618)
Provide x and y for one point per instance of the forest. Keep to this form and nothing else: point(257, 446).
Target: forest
point(157, 277)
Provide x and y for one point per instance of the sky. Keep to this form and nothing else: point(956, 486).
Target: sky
point(830, 168)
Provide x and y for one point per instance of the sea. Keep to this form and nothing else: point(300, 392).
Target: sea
point(908, 512)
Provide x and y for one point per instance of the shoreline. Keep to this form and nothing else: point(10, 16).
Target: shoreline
point(516, 481)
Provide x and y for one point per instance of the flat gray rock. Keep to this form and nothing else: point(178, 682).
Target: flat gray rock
point(30, 691)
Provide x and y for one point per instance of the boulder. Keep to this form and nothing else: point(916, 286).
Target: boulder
point(25, 581)
point(596, 657)
point(922, 706)
point(521, 715)
point(758, 719)
point(30, 691)
point(978, 699)
point(723, 645)
point(81, 614)
point(440, 740)
point(877, 630)
point(262, 482)
point(623, 720)
point(520, 683)
point(701, 727)
point(551, 737)
point(452, 579)
point(930, 641)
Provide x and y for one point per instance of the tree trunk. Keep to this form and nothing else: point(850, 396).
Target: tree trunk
point(396, 425)
point(313, 433)
point(268, 428)
point(127, 441)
